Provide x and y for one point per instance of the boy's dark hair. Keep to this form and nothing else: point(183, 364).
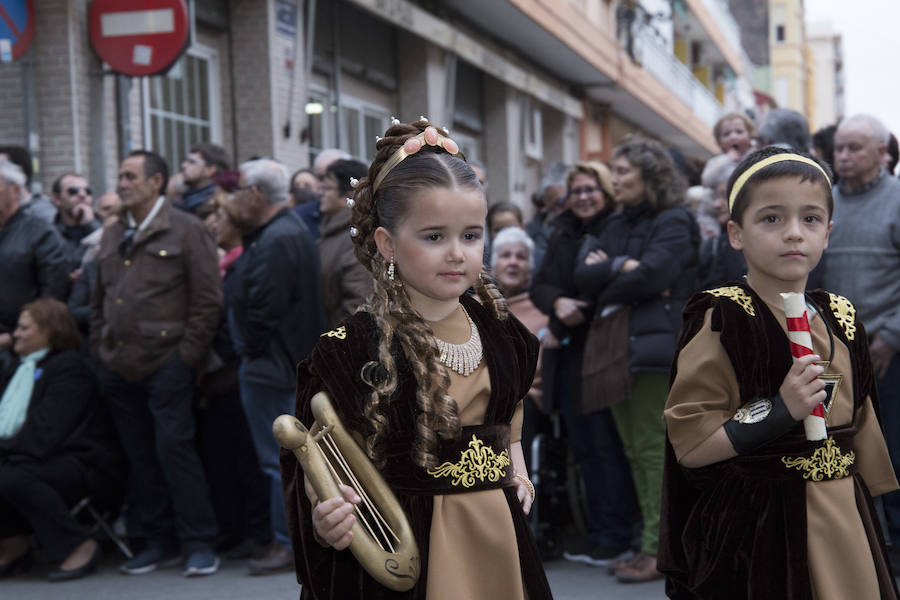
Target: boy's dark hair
point(787, 168)
point(153, 164)
point(213, 155)
point(343, 170)
point(21, 157)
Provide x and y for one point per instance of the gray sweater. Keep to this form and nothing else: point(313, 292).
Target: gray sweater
point(862, 261)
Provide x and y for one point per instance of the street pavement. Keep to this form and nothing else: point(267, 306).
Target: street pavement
point(568, 581)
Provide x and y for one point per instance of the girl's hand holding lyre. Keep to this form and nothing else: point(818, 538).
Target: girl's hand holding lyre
point(333, 518)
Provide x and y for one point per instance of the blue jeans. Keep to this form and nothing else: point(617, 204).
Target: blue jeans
point(598, 452)
point(889, 399)
point(262, 405)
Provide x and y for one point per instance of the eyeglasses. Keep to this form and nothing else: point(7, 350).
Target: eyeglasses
point(73, 190)
point(575, 192)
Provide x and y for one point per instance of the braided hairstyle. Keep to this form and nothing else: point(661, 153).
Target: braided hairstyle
point(436, 412)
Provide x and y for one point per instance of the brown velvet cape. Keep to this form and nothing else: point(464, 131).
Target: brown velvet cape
point(736, 528)
point(510, 352)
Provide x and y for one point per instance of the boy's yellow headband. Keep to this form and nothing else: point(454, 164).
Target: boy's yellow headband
point(777, 158)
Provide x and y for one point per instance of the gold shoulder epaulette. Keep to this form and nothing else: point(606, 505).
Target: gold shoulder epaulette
point(845, 313)
point(737, 294)
point(339, 333)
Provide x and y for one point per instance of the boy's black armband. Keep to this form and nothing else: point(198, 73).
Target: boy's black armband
point(758, 423)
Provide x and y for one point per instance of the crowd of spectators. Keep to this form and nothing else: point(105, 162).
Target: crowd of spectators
point(149, 337)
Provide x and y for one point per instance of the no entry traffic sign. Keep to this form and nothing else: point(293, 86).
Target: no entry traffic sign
point(16, 28)
point(139, 37)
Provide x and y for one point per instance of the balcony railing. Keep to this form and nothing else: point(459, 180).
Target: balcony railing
point(725, 20)
point(657, 60)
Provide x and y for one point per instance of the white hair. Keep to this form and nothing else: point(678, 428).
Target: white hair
point(271, 178)
point(512, 235)
point(718, 170)
point(876, 128)
point(326, 157)
point(11, 173)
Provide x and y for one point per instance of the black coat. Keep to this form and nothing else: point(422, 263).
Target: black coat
point(277, 304)
point(510, 353)
point(666, 244)
point(66, 419)
point(33, 264)
point(555, 277)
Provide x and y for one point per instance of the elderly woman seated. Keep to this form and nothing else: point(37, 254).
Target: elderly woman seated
point(512, 263)
point(56, 444)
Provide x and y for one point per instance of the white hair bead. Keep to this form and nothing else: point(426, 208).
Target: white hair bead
point(350, 202)
point(354, 232)
point(423, 118)
point(395, 121)
point(354, 182)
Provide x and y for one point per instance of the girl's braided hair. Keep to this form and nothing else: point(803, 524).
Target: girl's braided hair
point(436, 412)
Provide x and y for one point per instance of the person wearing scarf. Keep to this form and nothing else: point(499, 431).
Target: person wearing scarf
point(56, 444)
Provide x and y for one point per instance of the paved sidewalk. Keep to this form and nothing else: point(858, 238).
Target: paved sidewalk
point(569, 582)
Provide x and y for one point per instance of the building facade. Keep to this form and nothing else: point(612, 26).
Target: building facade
point(826, 52)
point(521, 84)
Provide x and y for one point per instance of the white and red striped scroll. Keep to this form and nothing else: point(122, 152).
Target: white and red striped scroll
point(801, 345)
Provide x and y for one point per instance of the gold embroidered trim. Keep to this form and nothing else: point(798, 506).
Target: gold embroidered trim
point(339, 333)
point(477, 462)
point(845, 313)
point(827, 462)
point(735, 293)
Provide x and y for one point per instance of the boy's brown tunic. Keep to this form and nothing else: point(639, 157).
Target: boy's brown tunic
point(753, 525)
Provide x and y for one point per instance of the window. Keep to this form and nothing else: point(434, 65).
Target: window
point(181, 108)
point(534, 131)
point(779, 33)
point(360, 123)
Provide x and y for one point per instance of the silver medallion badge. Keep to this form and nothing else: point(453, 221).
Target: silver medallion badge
point(753, 412)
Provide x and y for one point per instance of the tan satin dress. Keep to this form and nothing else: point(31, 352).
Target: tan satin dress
point(705, 395)
point(472, 549)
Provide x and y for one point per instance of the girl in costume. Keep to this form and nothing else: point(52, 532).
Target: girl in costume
point(752, 509)
point(422, 373)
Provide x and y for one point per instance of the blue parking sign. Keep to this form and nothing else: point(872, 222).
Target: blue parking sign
point(16, 28)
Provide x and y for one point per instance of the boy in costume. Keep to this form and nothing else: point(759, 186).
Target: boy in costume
point(750, 508)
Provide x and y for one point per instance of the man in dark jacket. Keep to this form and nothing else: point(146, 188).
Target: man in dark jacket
point(156, 302)
point(202, 164)
point(278, 315)
point(75, 218)
point(32, 257)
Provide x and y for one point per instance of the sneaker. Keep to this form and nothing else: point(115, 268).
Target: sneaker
point(154, 556)
point(201, 562)
point(597, 555)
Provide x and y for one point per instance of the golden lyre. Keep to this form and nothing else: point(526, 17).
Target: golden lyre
point(383, 540)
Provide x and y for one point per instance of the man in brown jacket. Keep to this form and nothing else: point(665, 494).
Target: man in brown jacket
point(155, 306)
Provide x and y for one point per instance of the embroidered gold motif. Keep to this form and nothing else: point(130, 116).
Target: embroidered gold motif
point(827, 462)
point(735, 293)
point(339, 333)
point(753, 412)
point(845, 313)
point(477, 462)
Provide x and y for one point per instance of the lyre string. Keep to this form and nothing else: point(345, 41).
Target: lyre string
point(362, 517)
point(354, 482)
point(380, 520)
